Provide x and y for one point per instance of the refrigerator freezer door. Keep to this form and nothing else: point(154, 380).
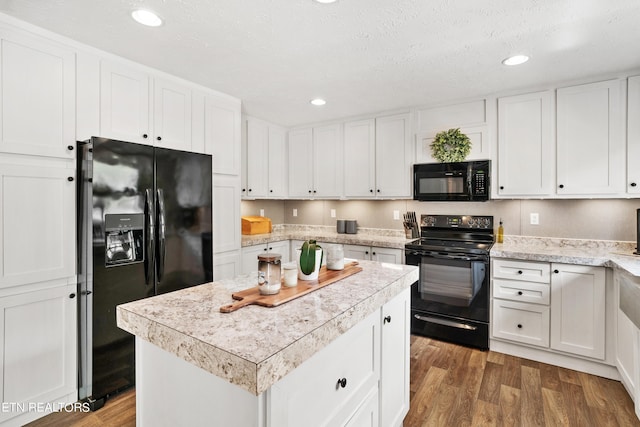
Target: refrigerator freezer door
point(184, 186)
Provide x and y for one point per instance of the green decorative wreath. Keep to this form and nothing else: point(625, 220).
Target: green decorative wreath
point(450, 146)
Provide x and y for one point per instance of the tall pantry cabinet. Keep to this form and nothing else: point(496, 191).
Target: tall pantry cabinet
point(37, 222)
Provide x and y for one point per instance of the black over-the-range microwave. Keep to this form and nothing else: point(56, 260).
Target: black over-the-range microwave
point(459, 181)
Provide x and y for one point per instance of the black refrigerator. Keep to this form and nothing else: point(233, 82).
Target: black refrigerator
point(144, 228)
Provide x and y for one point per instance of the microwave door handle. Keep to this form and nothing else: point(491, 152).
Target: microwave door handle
point(161, 233)
point(150, 240)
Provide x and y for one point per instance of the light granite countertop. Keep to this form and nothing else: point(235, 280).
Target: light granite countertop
point(256, 346)
point(570, 251)
point(365, 236)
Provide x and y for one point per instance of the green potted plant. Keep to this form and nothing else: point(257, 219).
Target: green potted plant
point(450, 146)
point(309, 260)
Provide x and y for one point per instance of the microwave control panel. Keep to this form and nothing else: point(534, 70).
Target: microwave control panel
point(479, 182)
point(456, 221)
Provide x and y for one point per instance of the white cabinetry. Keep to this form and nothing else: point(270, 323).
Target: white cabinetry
point(394, 371)
point(590, 142)
point(226, 213)
point(126, 111)
point(37, 213)
point(38, 349)
point(374, 253)
point(633, 135)
point(394, 156)
point(265, 160)
point(627, 291)
point(38, 96)
point(360, 158)
point(558, 306)
point(315, 162)
point(526, 142)
point(222, 133)
point(250, 254)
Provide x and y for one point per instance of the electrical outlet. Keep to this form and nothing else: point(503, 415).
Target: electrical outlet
point(333, 213)
point(261, 212)
point(396, 214)
point(534, 219)
point(295, 212)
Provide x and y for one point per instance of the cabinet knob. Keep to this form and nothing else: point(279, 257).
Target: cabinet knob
point(342, 382)
point(159, 138)
point(561, 186)
point(556, 271)
point(309, 191)
point(70, 179)
point(244, 189)
point(250, 190)
point(387, 319)
point(72, 296)
point(519, 271)
point(314, 191)
point(502, 187)
point(366, 252)
point(633, 184)
point(371, 190)
point(519, 292)
point(270, 191)
point(378, 190)
point(70, 148)
point(145, 136)
point(519, 326)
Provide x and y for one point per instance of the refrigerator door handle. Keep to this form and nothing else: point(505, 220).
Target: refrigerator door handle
point(150, 240)
point(161, 231)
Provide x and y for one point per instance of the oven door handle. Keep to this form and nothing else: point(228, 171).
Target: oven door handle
point(449, 257)
point(445, 322)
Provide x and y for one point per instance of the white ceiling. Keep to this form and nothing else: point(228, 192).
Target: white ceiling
point(363, 56)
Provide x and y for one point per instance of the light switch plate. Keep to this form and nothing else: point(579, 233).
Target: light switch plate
point(333, 213)
point(396, 214)
point(295, 212)
point(534, 218)
point(261, 212)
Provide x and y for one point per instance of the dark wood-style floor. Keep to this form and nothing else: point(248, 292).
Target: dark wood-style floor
point(457, 386)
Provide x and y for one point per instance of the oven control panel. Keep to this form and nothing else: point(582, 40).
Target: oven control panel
point(456, 221)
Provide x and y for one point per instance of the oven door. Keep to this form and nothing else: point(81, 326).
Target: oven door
point(450, 301)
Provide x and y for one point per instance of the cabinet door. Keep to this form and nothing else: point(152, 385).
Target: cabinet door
point(357, 252)
point(250, 258)
point(37, 112)
point(590, 143)
point(277, 162)
point(37, 213)
point(367, 415)
point(301, 163)
point(327, 162)
point(226, 213)
point(578, 309)
point(393, 156)
point(281, 248)
point(226, 265)
point(124, 103)
point(360, 158)
point(257, 158)
point(38, 346)
point(526, 156)
point(388, 255)
point(172, 115)
point(521, 322)
point(394, 362)
point(222, 134)
point(633, 136)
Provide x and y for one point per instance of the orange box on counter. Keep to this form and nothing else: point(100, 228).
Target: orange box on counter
point(256, 225)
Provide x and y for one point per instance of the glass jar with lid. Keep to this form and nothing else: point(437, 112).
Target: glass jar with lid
point(269, 273)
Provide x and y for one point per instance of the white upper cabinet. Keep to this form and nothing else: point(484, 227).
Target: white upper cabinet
point(37, 112)
point(124, 103)
point(360, 158)
point(394, 156)
point(633, 135)
point(315, 162)
point(265, 160)
point(590, 144)
point(526, 142)
point(128, 112)
point(470, 117)
point(172, 115)
point(222, 134)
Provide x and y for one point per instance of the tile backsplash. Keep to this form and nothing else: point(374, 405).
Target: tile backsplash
point(601, 219)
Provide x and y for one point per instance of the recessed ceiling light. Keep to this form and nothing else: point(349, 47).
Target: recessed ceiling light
point(146, 17)
point(326, 1)
point(516, 60)
point(318, 101)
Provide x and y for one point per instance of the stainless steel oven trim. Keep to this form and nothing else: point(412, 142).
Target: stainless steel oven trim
point(445, 322)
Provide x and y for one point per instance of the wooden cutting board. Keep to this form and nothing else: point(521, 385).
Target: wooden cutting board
point(286, 294)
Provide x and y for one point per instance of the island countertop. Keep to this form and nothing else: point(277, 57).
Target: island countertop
point(255, 346)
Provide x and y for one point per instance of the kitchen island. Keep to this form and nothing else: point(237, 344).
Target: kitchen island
point(329, 357)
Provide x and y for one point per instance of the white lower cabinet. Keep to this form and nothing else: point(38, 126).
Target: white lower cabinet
point(556, 306)
point(38, 350)
point(374, 253)
point(250, 254)
point(226, 265)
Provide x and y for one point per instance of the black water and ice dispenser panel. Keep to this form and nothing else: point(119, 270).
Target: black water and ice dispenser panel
point(124, 239)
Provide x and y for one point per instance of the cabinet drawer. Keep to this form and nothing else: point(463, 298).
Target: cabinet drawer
point(522, 322)
point(537, 293)
point(522, 270)
point(312, 395)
